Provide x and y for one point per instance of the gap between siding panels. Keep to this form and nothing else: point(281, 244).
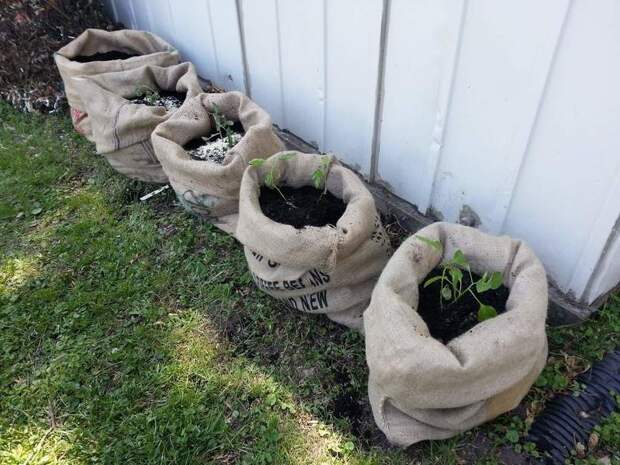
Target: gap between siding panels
point(379, 91)
point(244, 59)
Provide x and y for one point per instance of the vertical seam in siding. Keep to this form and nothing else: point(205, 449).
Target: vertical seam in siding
point(614, 236)
point(582, 261)
point(280, 70)
point(244, 59)
point(323, 101)
point(213, 42)
point(448, 104)
point(149, 15)
point(379, 91)
point(114, 12)
point(536, 119)
point(134, 22)
point(170, 21)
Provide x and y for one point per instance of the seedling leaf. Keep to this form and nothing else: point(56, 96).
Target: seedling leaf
point(456, 275)
point(317, 179)
point(269, 180)
point(489, 281)
point(446, 293)
point(257, 162)
point(496, 280)
point(483, 284)
point(459, 258)
point(430, 281)
point(286, 156)
point(486, 312)
point(434, 244)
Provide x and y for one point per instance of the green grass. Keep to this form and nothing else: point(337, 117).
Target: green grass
point(131, 333)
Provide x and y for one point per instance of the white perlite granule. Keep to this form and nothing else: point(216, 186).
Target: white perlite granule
point(170, 103)
point(214, 151)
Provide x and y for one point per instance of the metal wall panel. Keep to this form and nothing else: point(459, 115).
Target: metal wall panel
point(509, 108)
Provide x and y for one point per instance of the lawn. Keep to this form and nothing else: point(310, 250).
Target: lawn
point(130, 332)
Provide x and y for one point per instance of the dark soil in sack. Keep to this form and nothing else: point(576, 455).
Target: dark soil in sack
point(302, 206)
point(455, 317)
point(107, 56)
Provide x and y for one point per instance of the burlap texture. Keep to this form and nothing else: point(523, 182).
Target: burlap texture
point(329, 270)
point(122, 130)
point(151, 50)
point(209, 189)
point(421, 389)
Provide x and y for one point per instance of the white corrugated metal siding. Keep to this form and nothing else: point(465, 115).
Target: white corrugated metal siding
point(509, 108)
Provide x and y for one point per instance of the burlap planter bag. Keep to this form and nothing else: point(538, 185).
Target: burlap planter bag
point(209, 189)
point(150, 50)
point(421, 389)
point(121, 129)
point(330, 270)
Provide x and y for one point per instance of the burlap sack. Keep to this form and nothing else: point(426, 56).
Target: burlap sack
point(315, 269)
point(209, 189)
point(122, 130)
point(421, 389)
point(151, 50)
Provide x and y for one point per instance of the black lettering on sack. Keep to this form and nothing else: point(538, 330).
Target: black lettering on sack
point(272, 264)
point(258, 257)
point(310, 302)
point(294, 284)
point(318, 278)
point(322, 299)
point(266, 285)
point(291, 303)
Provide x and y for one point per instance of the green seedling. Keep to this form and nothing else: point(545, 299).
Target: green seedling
point(319, 176)
point(150, 95)
point(223, 126)
point(451, 281)
point(272, 177)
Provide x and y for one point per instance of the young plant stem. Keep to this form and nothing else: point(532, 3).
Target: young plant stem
point(441, 281)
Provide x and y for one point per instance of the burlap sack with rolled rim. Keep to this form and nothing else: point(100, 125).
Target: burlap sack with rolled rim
point(122, 130)
point(151, 50)
point(208, 189)
point(421, 389)
point(330, 270)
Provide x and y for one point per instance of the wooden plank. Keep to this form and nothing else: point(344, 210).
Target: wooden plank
point(353, 38)
point(422, 43)
point(566, 201)
point(500, 79)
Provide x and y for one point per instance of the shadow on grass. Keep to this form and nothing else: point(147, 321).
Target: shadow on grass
point(134, 334)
